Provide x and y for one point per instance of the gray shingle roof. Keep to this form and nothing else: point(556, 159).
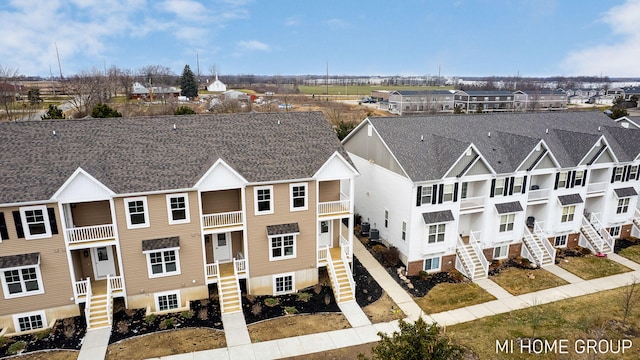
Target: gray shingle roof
point(570, 199)
point(625, 192)
point(510, 207)
point(436, 217)
point(570, 136)
point(131, 155)
point(19, 260)
point(280, 229)
point(162, 243)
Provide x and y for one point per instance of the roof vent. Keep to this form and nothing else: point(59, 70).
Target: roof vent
point(546, 131)
point(598, 128)
point(54, 133)
point(174, 127)
point(489, 134)
point(278, 122)
point(421, 137)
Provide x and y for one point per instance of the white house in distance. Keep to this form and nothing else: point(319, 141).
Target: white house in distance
point(217, 86)
point(460, 191)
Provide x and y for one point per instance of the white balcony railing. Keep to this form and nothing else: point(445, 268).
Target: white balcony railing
point(116, 284)
point(346, 248)
point(539, 194)
point(596, 187)
point(231, 218)
point(333, 207)
point(240, 266)
point(472, 203)
point(475, 241)
point(212, 271)
point(323, 255)
point(90, 233)
point(82, 287)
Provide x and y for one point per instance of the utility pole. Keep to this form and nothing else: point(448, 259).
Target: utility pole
point(326, 80)
point(198, 66)
point(58, 55)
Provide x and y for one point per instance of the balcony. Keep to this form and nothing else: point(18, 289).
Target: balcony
point(330, 208)
point(539, 195)
point(471, 204)
point(596, 189)
point(222, 220)
point(86, 234)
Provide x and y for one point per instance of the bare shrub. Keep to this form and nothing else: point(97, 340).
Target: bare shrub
point(256, 309)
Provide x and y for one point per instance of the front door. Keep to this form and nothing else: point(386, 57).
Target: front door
point(103, 262)
point(324, 238)
point(222, 247)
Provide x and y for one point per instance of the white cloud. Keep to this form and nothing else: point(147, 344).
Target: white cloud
point(185, 9)
point(618, 58)
point(293, 21)
point(254, 45)
point(338, 23)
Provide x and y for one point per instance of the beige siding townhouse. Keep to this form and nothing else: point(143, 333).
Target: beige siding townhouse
point(161, 211)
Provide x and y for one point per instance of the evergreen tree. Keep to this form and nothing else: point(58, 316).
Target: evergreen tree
point(188, 83)
point(184, 110)
point(53, 113)
point(104, 111)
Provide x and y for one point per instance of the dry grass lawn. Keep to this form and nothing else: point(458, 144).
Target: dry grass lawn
point(296, 325)
point(50, 355)
point(632, 253)
point(592, 267)
point(383, 310)
point(448, 296)
point(519, 281)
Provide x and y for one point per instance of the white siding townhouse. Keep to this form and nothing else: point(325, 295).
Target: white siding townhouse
point(460, 191)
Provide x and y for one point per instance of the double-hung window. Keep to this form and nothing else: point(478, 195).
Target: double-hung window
point(499, 188)
point(386, 219)
point(447, 192)
point(506, 222)
point(137, 212)
point(623, 206)
point(567, 213)
point(578, 180)
point(617, 175)
point(35, 221)
point(22, 281)
point(164, 262)
point(263, 200)
point(427, 193)
point(500, 252)
point(282, 247)
point(436, 233)
point(404, 230)
point(517, 185)
point(633, 172)
point(432, 264)
point(178, 208)
point(562, 179)
point(299, 196)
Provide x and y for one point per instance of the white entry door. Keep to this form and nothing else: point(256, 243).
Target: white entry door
point(222, 247)
point(103, 262)
point(324, 238)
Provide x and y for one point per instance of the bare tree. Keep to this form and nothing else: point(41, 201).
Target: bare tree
point(226, 106)
point(629, 298)
point(86, 90)
point(9, 90)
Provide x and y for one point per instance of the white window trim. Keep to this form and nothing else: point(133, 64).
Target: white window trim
point(506, 253)
point(429, 196)
point(167, 293)
point(16, 322)
point(306, 197)
point(566, 241)
point(186, 205)
point(617, 232)
point(424, 262)
point(447, 192)
point(386, 218)
point(146, 212)
point(255, 199)
point(283, 257)
point(403, 230)
point(572, 214)
point(293, 283)
point(25, 225)
point(621, 205)
point(5, 287)
point(506, 228)
point(164, 273)
point(517, 185)
point(437, 226)
point(497, 193)
point(562, 179)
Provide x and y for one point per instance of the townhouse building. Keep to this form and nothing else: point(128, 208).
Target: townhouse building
point(404, 102)
point(542, 99)
point(467, 190)
point(160, 211)
point(484, 100)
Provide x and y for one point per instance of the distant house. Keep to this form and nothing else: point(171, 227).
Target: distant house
point(543, 99)
point(217, 86)
point(141, 92)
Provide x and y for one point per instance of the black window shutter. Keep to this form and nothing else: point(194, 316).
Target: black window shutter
point(573, 178)
point(613, 175)
point(4, 234)
point(434, 193)
point(440, 194)
point(524, 184)
point(584, 178)
point(493, 188)
point(638, 174)
point(18, 222)
point(555, 186)
point(52, 220)
point(627, 171)
point(419, 199)
point(455, 192)
point(511, 181)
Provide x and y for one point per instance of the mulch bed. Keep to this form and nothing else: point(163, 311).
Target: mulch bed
point(622, 244)
point(65, 334)
point(368, 290)
point(520, 263)
point(578, 251)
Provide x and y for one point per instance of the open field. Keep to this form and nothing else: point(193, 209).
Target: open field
point(362, 90)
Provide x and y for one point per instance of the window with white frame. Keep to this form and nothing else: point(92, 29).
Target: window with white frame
point(447, 192)
point(282, 247)
point(633, 172)
point(165, 262)
point(499, 188)
point(299, 196)
point(427, 193)
point(29, 321)
point(560, 241)
point(386, 218)
point(623, 206)
point(464, 189)
point(578, 180)
point(562, 179)
point(137, 212)
point(283, 284)
point(35, 220)
point(617, 175)
point(178, 208)
point(167, 301)
point(615, 231)
point(263, 199)
point(500, 252)
point(517, 185)
point(436, 233)
point(432, 264)
point(404, 230)
point(567, 213)
point(22, 281)
point(506, 222)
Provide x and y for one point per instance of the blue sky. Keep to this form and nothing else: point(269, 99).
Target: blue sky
point(290, 37)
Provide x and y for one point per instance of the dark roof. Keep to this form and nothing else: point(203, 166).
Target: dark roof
point(488, 92)
point(625, 192)
point(422, 92)
point(510, 207)
point(570, 199)
point(163, 243)
point(19, 260)
point(437, 217)
point(280, 229)
point(569, 136)
point(130, 155)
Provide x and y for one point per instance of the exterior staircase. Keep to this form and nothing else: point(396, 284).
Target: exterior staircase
point(593, 238)
point(470, 261)
point(542, 254)
point(636, 218)
point(229, 291)
point(341, 278)
point(99, 308)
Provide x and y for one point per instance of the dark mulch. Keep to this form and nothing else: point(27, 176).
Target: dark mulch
point(622, 244)
point(578, 251)
point(368, 290)
point(133, 322)
point(65, 334)
point(520, 263)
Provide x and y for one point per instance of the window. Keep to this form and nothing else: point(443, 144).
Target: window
point(578, 180)
point(562, 179)
point(165, 262)
point(517, 185)
point(178, 208)
point(447, 193)
point(436, 233)
point(404, 230)
point(617, 176)
point(499, 188)
point(282, 247)
point(283, 284)
point(464, 190)
point(427, 192)
point(22, 282)
point(168, 301)
point(386, 218)
point(633, 172)
point(35, 222)
point(623, 206)
point(486, 98)
point(298, 196)
point(432, 264)
point(137, 212)
point(264, 199)
point(29, 321)
point(567, 213)
point(560, 241)
point(615, 231)
point(500, 252)
point(506, 222)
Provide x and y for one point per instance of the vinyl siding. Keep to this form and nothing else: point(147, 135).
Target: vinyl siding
point(221, 201)
point(329, 190)
point(91, 213)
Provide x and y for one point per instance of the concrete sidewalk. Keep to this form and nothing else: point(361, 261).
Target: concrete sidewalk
point(94, 345)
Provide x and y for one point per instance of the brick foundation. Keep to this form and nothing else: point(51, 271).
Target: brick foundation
point(514, 250)
point(488, 253)
point(572, 240)
point(447, 263)
point(414, 267)
point(625, 231)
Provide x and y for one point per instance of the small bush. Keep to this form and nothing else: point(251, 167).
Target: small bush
point(123, 326)
point(290, 310)
point(43, 334)
point(3, 341)
point(391, 256)
point(256, 309)
point(150, 318)
point(304, 296)
point(317, 288)
point(187, 314)
point(271, 302)
point(423, 275)
point(16, 348)
point(184, 110)
point(104, 111)
point(584, 251)
point(203, 314)
point(378, 248)
point(456, 275)
point(167, 323)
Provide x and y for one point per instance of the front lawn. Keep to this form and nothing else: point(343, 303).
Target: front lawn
point(449, 296)
point(521, 281)
point(632, 253)
point(592, 267)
